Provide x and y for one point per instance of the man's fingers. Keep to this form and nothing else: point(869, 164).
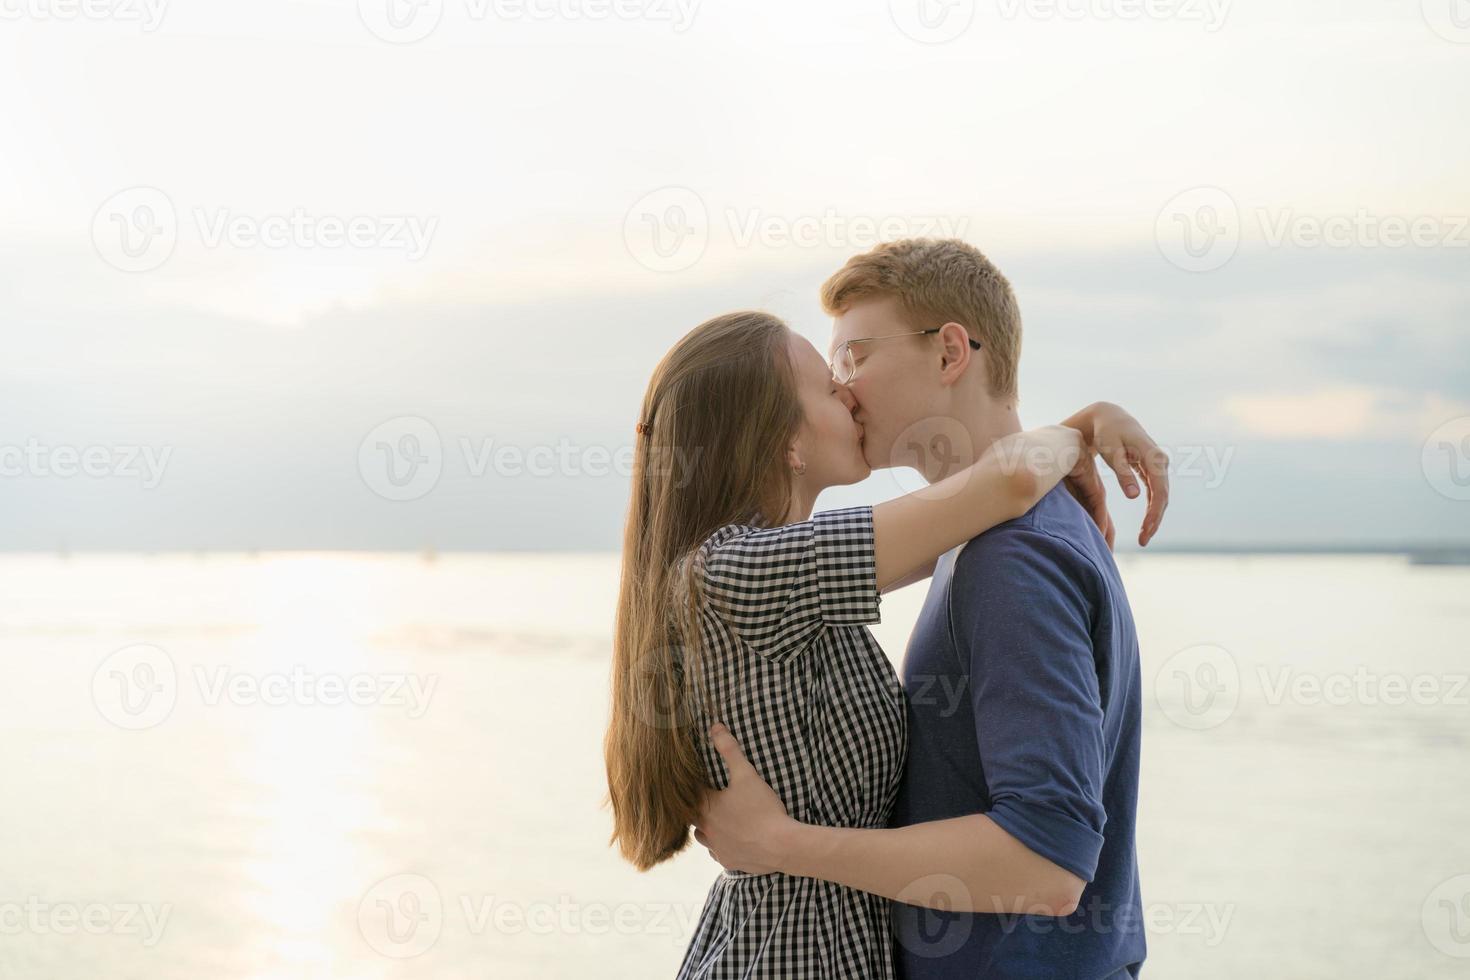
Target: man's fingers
point(1087, 486)
point(729, 749)
point(1100, 515)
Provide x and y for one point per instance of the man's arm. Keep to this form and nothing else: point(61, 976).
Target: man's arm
point(965, 864)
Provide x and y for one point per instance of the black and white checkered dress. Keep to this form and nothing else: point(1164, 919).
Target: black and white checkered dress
point(819, 712)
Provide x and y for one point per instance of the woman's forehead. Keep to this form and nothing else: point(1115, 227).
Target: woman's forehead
point(805, 356)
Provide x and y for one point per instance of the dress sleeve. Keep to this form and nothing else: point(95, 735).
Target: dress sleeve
point(778, 587)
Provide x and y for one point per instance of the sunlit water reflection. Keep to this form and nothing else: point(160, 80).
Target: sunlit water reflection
point(385, 767)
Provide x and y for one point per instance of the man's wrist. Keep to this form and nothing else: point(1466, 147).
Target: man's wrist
point(789, 843)
point(802, 847)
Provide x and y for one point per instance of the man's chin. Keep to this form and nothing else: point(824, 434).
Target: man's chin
point(874, 459)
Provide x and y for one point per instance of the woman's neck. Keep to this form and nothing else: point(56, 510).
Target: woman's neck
point(802, 502)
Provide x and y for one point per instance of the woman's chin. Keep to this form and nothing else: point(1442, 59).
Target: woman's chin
point(856, 473)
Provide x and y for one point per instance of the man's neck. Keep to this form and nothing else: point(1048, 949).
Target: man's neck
point(970, 431)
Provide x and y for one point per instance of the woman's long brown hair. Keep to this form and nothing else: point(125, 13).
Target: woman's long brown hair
point(720, 410)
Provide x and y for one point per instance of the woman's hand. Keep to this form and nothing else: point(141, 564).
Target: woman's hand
point(743, 826)
point(1123, 444)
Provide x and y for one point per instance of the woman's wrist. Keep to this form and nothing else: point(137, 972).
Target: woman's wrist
point(1086, 420)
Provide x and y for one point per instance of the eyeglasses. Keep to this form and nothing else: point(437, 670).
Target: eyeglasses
point(844, 367)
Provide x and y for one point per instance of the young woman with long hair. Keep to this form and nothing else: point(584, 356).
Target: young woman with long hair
point(738, 605)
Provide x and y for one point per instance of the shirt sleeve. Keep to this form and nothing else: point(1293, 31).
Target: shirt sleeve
point(778, 587)
point(1020, 612)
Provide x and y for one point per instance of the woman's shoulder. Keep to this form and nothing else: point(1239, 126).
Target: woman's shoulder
point(754, 533)
point(726, 533)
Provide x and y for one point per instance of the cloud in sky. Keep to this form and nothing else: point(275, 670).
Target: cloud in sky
point(1343, 413)
point(327, 231)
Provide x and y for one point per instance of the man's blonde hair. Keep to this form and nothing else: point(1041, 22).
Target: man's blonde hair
point(936, 281)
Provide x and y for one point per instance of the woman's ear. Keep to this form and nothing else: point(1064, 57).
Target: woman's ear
point(954, 351)
point(793, 456)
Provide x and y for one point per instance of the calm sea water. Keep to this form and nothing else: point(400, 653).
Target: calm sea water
point(385, 767)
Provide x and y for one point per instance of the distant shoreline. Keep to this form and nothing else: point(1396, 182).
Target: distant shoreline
point(1426, 553)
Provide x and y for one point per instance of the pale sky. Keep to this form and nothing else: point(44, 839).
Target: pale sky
point(249, 234)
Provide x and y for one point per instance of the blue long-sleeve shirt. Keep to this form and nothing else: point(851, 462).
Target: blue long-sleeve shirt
point(1022, 687)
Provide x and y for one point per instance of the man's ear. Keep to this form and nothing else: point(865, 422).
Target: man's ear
point(955, 352)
